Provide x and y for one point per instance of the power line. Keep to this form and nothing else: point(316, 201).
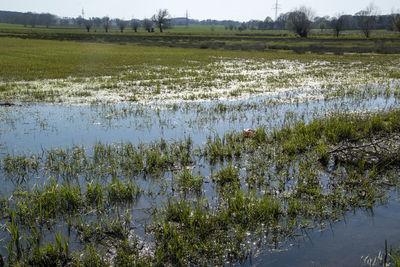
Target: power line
point(276, 7)
point(187, 19)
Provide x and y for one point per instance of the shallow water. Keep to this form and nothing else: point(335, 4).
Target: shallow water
point(344, 242)
point(34, 128)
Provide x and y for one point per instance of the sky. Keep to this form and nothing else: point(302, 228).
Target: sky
point(240, 10)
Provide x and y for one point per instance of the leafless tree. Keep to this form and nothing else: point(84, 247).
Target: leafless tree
point(299, 21)
point(322, 26)
point(88, 24)
point(121, 24)
point(280, 22)
point(106, 23)
point(48, 19)
point(338, 23)
point(97, 22)
point(396, 22)
point(162, 19)
point(148, 25)
point(33, 19)
point(366, 19)
point(135, 24)
point(64, 22)
point(80, 21)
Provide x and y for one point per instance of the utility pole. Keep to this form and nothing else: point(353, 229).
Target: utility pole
point(276, 8)
point(83, 13)
point(187, 19)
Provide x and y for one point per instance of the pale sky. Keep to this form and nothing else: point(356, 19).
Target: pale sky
point(241, 10)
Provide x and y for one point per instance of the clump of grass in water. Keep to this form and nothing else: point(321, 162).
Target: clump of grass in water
point(187, 181)
point(103, 229)
point(120, 192)
point(227, 176)
point(52, 254)
point(184, 230)
point(94, 193)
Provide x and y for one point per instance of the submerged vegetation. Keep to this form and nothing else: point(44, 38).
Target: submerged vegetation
point(257, 191)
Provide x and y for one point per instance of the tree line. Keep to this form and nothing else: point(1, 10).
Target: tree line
point(300, 21)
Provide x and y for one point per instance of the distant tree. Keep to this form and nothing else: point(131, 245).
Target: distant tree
point(338, 24)
point(366, 19)
point(299, 21)
point(322, 26)
point(97, 23)
point(106, 23)
point(135, 24)
point(88, 24)
point(281, 21)
point(64, 22)
point(80, 21)
point(48, 19)
point(268, 23)
point(148, 25)
point(162, 19)
point(32, 19)
point(231, 27)
point(396, 22)
point(121, 24)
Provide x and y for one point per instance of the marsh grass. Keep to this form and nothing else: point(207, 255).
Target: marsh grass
point(187, 181)
point(264, 189)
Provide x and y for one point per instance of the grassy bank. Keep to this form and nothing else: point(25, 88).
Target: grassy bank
point(382, 42)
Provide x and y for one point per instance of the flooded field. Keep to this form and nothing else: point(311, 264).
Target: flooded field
point(225, 161)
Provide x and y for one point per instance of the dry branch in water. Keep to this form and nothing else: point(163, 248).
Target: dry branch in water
point(372, 150)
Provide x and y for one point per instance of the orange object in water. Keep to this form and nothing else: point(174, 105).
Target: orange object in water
point(248, 132)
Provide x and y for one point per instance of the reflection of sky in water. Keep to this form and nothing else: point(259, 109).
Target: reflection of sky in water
point(32, 128)
point(343, 244)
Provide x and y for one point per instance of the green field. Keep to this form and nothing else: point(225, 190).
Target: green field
point(45, 70)
point(382, 42)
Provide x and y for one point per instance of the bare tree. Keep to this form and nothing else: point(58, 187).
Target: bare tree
point(338, 24)
point(148, 25)
point(33, 19)
point(366, 19)
point(121, 24)
point(135, 24)
point(396, 22)
point(268, 23)
point(80, 21)
point(299, 21)
point(322, 26)
point(64, 21)
point(161, 19)
point(48, 19)
point(97, 22)
point(106, 23)
point(88, 24)
point(280, 22)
